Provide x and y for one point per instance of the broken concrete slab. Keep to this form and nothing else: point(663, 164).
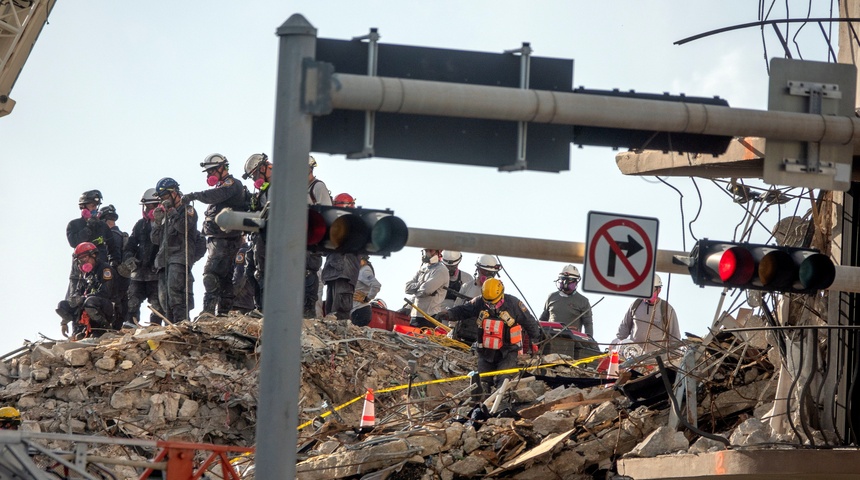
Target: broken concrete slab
point(661, 441)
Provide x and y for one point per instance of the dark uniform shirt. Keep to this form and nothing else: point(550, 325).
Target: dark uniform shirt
point(140, 246)
point(515, 308)
point(228, 193)
point(100, 282)
point(91, 230)
point(171, 238)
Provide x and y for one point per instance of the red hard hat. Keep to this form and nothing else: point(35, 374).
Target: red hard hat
point(344, 200)
point(84, 248)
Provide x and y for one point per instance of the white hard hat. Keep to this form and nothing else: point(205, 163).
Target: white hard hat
point(488, 262)
point(149, 196)
point(569, 271)
point(253, 162)
point(451, 258)
point(214, 160)
point(312, 162)
point(657, 281)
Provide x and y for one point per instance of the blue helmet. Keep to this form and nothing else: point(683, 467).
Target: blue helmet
point(166, 185)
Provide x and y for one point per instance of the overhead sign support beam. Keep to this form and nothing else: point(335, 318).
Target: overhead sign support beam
point(445, 99)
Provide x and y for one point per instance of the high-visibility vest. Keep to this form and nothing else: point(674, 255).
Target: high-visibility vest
point(497, 334)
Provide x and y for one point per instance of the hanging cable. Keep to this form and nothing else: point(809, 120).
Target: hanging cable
point(698, 210)
point(522, 296)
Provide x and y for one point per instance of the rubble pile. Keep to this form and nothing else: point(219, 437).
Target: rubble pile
point(569, 433)
point(188, 381)
point(198, 382)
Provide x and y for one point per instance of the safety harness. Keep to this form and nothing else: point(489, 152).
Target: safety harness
point(499, 331)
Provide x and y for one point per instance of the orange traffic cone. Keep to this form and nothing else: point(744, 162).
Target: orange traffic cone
point(368, 413)
point(612, 371)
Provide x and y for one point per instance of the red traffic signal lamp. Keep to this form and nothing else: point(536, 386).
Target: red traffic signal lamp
point(355, 230)
point(760, 267)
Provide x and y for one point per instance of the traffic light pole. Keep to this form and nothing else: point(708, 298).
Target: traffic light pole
point(847, 278)
point(280, 364)
point(399, 95)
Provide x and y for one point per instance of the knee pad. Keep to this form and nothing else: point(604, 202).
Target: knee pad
point(210, 282)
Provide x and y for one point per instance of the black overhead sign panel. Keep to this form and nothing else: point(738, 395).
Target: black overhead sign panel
point(465, 141)
point(445, 139)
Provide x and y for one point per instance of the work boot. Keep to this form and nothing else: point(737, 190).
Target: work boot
point(204, 315)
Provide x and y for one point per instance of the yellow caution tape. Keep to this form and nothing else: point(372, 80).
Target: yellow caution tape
point(455, 379)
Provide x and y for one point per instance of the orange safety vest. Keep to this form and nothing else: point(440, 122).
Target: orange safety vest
point(497, 334)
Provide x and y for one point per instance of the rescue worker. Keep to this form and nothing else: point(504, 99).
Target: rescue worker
point(226, 192)
point(259, 169)
point(486, 267)
point(457, 278)
point(366, 289)
point(318, 194)
point(501, 319)
point(139, 262)
point(10, 418)
point(650, 323)
point(91, 306)
point(116, 242)
point(340, 274)
point(428, 287)
point(567, 306)
point(174, 232)
point(87, 228)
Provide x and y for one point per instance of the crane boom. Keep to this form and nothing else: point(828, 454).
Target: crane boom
point(21, 22)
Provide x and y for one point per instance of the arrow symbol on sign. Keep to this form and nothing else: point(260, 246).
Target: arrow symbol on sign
point(631, 247)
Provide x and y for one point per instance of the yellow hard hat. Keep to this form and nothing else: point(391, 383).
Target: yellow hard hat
point(493, 290)
point(10, 415)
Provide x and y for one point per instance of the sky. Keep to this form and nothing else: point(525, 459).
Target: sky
point(116, 95)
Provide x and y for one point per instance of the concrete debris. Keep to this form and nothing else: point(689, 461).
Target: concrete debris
point(751, 432)
point(198, 382)
point(660, 442)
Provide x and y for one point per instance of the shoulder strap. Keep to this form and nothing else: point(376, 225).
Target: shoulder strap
point(311, 190)
point(635, 305)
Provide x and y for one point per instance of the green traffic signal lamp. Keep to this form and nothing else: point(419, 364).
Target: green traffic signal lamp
point(355, 230)
point(760, 267)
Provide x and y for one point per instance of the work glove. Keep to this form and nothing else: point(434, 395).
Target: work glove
point(359, 297)
point(159, 213)
point(507, 318)
point(189, 197)
point(127, 267)
point(443, 316)
point(75, 301)
point(64, 328)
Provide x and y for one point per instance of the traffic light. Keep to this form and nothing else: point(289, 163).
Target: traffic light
point(760, 267)
point(355, 230)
